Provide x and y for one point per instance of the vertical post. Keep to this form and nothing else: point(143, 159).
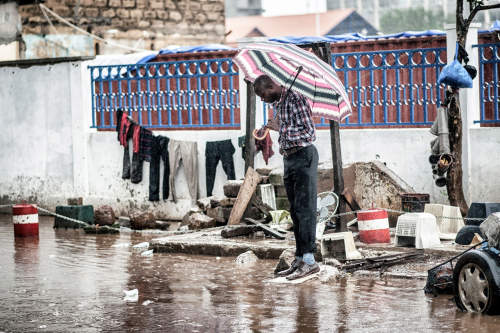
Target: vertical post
point(323, 51)
point(250, 126)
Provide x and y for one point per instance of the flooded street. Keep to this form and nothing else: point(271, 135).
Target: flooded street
point(72, 282)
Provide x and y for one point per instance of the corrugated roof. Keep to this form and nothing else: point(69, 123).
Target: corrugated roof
point(289, 25)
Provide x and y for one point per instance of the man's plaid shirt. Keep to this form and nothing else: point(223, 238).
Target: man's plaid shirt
point(296, 122)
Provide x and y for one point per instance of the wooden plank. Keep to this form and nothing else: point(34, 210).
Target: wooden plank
point(252, 178)
point(265, 228)
point(349, 199)
point(250, 126)
point(239, 230)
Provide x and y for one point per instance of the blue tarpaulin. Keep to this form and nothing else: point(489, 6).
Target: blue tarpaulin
point(187, 49)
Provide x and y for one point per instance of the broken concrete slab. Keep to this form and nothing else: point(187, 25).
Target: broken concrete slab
point(210, 242)
point(204, 203)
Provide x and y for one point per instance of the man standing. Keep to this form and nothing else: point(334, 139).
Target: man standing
point(300, 157)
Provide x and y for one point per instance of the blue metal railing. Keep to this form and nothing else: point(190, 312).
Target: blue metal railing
point(177, 94)
point(390, 88)
point(489, 60)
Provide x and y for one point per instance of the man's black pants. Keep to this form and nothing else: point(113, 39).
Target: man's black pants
point(214, 152)
point(301, 178)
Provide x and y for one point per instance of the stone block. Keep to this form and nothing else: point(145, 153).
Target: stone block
point(84, 3)
point(246, 258)
point(104, 215)
point(491, 229)
point(162, 14)
point(142, 220)
point(203, 203)
point(211, 16)
point(122, 13)
point(91, 12)
point(201, 221)
point(131, 3)
point(83, 213)
point(227, 202)
point(94, 229)
point(143, 24)
point(175, 16)
point(149, 14)
point(115, 3)
point(200, 18)
point(100, 3)
point(75, 201)
point(170, 4)
point(232, 187)
point(282, 203)
point(108, 13)
point(156, 4)
point(136, 13)
point(207, 7)
point(194, 6)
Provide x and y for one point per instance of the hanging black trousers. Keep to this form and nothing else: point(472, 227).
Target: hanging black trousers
point(159, 151)
point(301, 179)
point(214, 152)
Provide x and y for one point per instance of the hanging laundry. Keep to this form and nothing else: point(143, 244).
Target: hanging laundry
point(159, 151)
point(145, 144)
point(134, 170)
point(241, 144)
point(187, 153)
point(263, 143)
point(214, 152)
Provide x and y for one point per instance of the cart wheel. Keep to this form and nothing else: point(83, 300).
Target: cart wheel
point(474, 285)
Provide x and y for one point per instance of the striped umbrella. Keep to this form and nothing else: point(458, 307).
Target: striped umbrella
point(317, 80)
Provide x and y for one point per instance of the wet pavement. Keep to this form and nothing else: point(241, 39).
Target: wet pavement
point(69, 281)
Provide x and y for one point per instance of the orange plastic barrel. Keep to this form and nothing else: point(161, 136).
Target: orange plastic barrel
point(373, 226)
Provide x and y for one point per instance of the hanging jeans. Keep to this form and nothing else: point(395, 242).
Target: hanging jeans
point(187, 152)
point(214, 152)
point(159, 151)
point(301, 178)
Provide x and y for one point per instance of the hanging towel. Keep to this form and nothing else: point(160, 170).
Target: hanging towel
point(263, 143)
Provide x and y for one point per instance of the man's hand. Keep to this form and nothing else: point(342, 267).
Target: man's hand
point(273, 123)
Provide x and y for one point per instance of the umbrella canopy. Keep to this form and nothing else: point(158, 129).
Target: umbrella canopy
point(317, 80)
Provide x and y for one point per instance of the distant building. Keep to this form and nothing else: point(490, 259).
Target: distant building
point(138, 24)
point(243, 8)
point(373, 10)
point(333, 22)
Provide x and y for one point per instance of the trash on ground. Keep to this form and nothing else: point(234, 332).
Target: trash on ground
point(141, 246)
point(131, 295)
point(147, 302)
point(148, 253)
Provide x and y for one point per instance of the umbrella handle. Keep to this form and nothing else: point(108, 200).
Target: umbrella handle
point(295, 77)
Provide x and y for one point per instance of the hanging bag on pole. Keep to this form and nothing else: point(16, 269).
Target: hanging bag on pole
point(455, 75)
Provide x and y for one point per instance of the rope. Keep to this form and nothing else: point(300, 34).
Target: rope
point(62, 216)
point(63, 20)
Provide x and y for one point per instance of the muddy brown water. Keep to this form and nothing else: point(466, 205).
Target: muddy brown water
point(72, 282)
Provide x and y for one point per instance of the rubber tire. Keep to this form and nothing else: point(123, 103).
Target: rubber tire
point(466, 234)
point(493, 305)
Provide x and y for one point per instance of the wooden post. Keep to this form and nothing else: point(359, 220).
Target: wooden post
point(250, 126)
point(323, 51)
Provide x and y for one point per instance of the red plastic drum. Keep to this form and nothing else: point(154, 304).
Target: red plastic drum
point(373, 226)
point(25, 219)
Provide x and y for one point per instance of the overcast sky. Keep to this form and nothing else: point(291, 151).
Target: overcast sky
point(291, 7)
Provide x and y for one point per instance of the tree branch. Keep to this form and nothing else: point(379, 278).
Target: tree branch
point(477, 9)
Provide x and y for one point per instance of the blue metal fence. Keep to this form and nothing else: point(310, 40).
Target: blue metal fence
point(489, 59)
point(390, 88)
point(171, 95)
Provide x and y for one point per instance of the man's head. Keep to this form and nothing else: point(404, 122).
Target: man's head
point(268, 90)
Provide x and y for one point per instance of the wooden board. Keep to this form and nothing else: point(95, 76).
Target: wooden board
point(245, 193)
point(267, 230)
point(283, 279)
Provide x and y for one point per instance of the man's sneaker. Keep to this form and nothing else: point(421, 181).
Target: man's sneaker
point(303, 271)
point(293, 267)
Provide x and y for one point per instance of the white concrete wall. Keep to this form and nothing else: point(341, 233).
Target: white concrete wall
point(50, 153)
